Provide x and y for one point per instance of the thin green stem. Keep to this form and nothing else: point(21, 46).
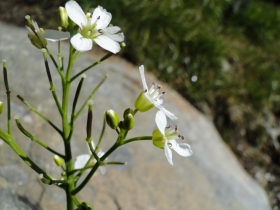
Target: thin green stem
point(92, 65)
point(39, 114)
point(33, 138)
point(90, 96)
point(139, 138)
point(93, 152)
point(101, 134)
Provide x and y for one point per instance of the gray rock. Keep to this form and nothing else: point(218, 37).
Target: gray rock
point(211, 179)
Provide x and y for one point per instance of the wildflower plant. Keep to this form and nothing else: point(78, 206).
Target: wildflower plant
point(84, 30)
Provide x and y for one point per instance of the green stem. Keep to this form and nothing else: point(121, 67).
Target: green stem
point(90, 96)
point(101, 134)
point(92, 65)
point(140, 138)
point(39, 114)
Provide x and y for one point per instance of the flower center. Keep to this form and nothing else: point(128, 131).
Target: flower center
point(89, 30)
point(154, 92)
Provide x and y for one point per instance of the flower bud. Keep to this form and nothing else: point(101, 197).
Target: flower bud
point(35, 35)
point(63, 17)
point(44, 180)
point(128, 122)
point(142, 103)
point(127, 111)
point(112, 118)
point(1, 107)
point(58, 160)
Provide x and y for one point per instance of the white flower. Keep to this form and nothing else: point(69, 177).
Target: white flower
point(165, 138)
point(150, 98)
point(93, 27)
point(82, 160)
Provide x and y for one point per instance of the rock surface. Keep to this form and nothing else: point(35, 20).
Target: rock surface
point(211, 179)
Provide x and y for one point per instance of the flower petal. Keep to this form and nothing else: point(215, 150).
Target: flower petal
point(182, 149)
point(108, 44)
point(116, 37)
point(168, 153)
point(141, 69)
point(112, 30)
point(104, 17)
point(161, 121)
point(80, 43)
point(160, 107)
point(54, 35)
point(75, 12)
point(81, 161)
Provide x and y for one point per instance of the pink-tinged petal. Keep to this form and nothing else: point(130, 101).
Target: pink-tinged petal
point(182, 149)
point(80, 43)
point(108, 44)
point(145, 87)
point(161, 122)
point(81, 161)
point(168, 153)
point(75, 13)
point(104, 17)
point(54, 35)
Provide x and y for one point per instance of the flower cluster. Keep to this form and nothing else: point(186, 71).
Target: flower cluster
point(164, 137)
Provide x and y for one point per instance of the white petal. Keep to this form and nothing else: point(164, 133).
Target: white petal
point(54, 35)
point(75, 12)
point(166, 112)
point(141, 69)
point(112, 30)
point(103, 16)
point(169, 114)
point(161, 121)
point(168, 153)
point(116, 37)
point(80, 43)
point(182, 149)
point(81, 161)
point(108, 44)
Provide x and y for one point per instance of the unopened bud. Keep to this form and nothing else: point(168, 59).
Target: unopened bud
point(112, 118)
point(63, 17)
point(1, 107)
point(58, 160)
point(127, 111)
point(128, 122)
point(44, 180)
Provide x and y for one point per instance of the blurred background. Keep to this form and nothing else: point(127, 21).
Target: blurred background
point(221, 55)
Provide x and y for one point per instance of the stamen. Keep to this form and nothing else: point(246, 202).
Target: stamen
point(163, 93)
point(167, 127)
point(169, 144)
point(181, 137)
point(175, 128)
point(98, 18)
point(159, 86)
point(146, 91)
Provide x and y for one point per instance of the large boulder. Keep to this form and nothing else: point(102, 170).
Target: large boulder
point(211, 178)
